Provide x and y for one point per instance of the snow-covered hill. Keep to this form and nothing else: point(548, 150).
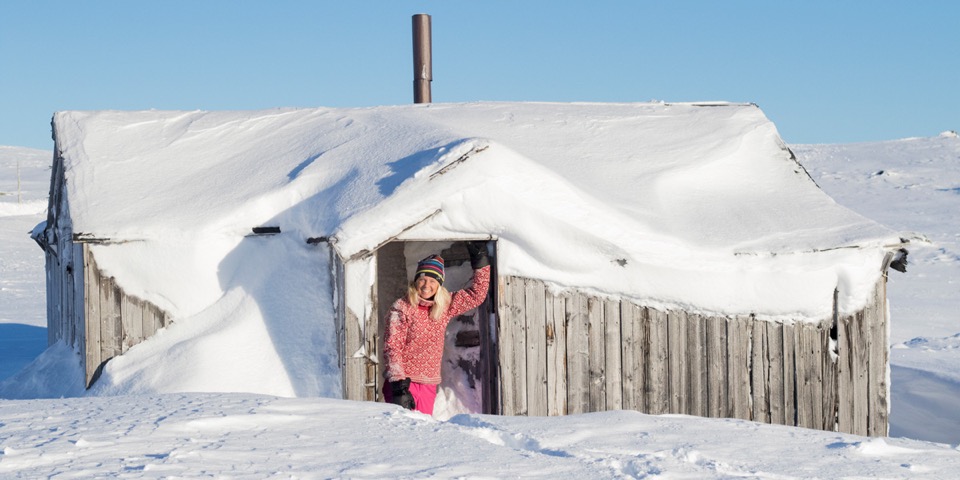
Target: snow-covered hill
point(910, 185)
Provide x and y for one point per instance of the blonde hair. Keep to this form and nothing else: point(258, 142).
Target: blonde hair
point(440, 301)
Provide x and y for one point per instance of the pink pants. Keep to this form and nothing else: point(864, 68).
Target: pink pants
point(423, 395)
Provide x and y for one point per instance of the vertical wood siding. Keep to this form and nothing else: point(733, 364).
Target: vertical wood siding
point(113, 320)
point(575, 353)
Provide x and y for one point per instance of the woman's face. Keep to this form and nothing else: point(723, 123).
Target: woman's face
point(426, 286)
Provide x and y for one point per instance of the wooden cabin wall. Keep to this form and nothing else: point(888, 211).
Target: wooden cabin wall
point(65, 313)
point(115, 321)
point(575, 353)
point(863, 359)
point(64, 268)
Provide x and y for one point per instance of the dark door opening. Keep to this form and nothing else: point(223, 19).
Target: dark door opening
point(469, 369)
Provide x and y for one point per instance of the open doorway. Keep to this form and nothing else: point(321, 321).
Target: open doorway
point(469, 368)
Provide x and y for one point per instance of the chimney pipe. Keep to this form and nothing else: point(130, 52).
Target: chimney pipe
point(422, 58)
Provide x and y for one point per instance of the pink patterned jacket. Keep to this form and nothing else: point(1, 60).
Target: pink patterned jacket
point(413, 342)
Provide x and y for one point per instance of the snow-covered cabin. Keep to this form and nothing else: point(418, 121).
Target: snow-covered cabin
point(668, 258)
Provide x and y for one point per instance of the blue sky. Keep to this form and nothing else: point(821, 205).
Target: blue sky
point(824, 72)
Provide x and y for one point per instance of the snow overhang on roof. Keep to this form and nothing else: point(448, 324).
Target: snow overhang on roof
point(679, 187)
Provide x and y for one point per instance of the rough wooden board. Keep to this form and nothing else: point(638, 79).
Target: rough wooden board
point(354, 372)
point(373, 380)
point(613, 370)
point(513, 334)
point(789, 375)
point(879, 360)
point(845, 374)
point(697, 364)
point(578, 348)
point(830, 371)
point(658, 380)
point(92, 295)
point(759, 372)
point(556, 334)
point(536, 346)
point(507, 342)
point(717, 380)
point(596, 359)
point(110, 326)
point(738, 367)
point(861, 369)
point(631, 355)
point(131, 319)
point(810, 376)
point(774, 338)
point(679, 380)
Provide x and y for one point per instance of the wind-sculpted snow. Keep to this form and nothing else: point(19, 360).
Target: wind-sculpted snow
point(245, 436)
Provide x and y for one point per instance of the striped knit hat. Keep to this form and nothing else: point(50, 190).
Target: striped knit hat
point(432, 267)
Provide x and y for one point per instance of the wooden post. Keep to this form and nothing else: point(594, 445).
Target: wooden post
point(422, 59)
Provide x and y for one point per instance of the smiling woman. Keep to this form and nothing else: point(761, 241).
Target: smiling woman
point(416, 325)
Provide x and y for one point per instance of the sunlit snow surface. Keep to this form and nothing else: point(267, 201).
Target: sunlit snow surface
point(246, 436)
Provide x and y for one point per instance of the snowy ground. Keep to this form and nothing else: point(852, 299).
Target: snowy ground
point(245, 436)
point(909, 185)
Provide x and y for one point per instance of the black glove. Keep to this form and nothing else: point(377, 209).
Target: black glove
point(402, 395)
point(478, 254)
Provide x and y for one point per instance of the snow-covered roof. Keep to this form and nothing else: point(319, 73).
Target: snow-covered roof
point(696, 206)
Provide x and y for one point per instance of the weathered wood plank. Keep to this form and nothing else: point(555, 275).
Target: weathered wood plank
point(505, 345)
point(150, 321)
point(578, 360)
point(536, 344)
point(556, 333)
point(631, 355)
point(53, 325)
point(77, 321)
point(774, 337)
point(658, 371)
point(716, 353)
point(697, 364)
point(613, 370)
point(596, 356)
point(830, 372)
point(809, 375)
point(510, 337)
point(759, 372)
point(111, 331)
point(337, 275)
point(789, 375)
point(739, 331)
point(373, 381)
point(354, 371)
point(131, 320)
point(860, 351)
point(92, 357)
point(679, 383)
point(845, 374)
point(879, 357)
